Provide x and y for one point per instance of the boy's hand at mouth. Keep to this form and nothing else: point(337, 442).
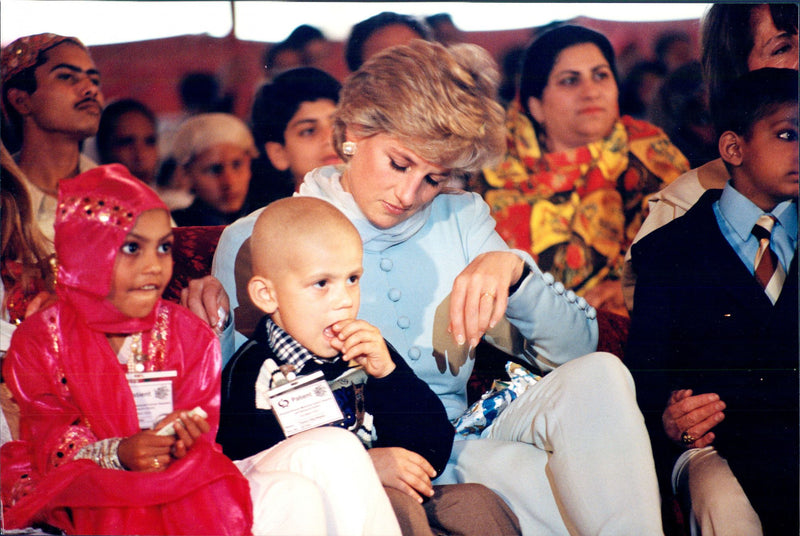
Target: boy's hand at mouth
point(362, 343)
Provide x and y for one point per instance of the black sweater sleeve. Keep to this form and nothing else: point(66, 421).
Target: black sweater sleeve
point(245, 430)
point(408, 414)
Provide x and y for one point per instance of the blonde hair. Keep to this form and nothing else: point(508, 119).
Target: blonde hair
point(21, 239)
point(438, 102)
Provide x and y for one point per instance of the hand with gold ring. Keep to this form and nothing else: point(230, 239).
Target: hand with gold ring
point(145, 451)
point(689, 419)
point(489, 275)
point(687, 439)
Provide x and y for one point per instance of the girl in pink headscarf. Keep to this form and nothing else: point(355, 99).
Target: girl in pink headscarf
point(98, 374)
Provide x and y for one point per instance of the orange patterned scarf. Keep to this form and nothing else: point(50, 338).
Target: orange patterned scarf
point(577, 211)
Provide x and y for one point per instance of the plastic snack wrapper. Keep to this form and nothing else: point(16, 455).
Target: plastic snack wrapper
point(492, 403)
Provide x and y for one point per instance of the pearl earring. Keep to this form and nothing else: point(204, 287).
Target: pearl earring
point(349, 148)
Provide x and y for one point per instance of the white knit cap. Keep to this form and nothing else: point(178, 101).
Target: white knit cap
point(203, 131)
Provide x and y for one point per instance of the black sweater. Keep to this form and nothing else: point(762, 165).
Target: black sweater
point(406, 412)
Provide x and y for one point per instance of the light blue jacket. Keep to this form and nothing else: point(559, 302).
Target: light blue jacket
point(408, 275)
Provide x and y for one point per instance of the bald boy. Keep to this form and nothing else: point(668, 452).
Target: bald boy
point(306, 266)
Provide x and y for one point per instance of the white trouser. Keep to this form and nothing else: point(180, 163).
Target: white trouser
point(707, 489)
point(318, 482)
point(571, 455)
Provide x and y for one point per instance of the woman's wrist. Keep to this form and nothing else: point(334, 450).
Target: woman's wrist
point(526, 271)
point(104, 453)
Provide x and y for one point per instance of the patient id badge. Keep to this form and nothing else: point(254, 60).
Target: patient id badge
point(304, 403)
point(152, 392)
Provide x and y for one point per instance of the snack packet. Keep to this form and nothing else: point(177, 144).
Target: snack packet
point(492, 403)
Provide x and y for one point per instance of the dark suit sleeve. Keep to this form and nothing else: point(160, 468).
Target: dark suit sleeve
point(408, 414)
point(245, 430)
point(649, 340)
point(649, 354)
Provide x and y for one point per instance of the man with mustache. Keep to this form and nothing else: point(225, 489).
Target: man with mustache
point(52, 97)
point(51, 94)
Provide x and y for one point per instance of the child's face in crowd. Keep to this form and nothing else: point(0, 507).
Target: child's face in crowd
point(769, 170)
point(308, 140)
point(318, 286)
point(143, 265)
point(133, 144)
point(67, 97)
point(771, 47)
point(220, 176)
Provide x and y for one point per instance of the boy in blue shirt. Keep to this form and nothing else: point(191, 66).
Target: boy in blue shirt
point(715, 337)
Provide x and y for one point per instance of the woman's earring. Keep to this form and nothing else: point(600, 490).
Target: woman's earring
point(349, 148)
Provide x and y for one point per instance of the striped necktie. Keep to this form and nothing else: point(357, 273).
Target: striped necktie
point(768, 270)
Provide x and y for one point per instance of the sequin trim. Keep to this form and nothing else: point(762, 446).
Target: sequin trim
point(157, 343)
point(111, 212)
point(73, 440)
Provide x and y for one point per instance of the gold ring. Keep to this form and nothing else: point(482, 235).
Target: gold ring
point(687, 438)
point(489, 294)
point(156, 463)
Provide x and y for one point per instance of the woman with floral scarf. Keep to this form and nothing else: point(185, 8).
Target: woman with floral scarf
point(573, 184)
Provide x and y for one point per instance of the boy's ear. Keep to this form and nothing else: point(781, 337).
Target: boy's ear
point(20, 100)
point(262, 294)
point(276, 153)
point(730, 148)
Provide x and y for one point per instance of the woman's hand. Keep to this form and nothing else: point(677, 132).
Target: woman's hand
point(207, 298)
point(362, 342)
point(695, 415)
point(187, 429)
point(480, 294)
point(404, 470)
point(146, 451)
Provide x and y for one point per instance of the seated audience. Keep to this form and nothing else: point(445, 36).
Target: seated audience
point(444, 30)
point(292, 125)
point(681, 109)
point(281, 57)
point(99, 452)
point(306, 268)
point(127, 135)
point(213, 153)
point(572, 187)
point(313, 45)
point(381, 31)
point(639, 89)
point(52, 96)
point(714, 333)
point(736, 38)
point(673, 49)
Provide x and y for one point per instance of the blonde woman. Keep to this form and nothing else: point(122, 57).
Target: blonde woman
point(571, 454)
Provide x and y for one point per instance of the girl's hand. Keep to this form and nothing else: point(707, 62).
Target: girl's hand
point(187, 430)
point(362, 342)
point(404, 470)
point(146, 451)
point(694, 415)
point(480, 294)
